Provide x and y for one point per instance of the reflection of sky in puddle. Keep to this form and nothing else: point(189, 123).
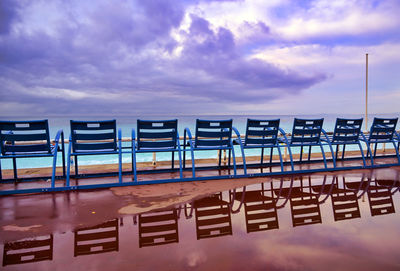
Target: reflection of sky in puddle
point(336, 224)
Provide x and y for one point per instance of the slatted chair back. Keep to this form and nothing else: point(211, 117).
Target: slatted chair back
point(94, 136)
point(24, 137)
point(97, 239)
point(213, 133)
point(28, 251)
point(261, 132)
point(382, 129)
point(306, 131)
point(157, 134)
point(347, 130)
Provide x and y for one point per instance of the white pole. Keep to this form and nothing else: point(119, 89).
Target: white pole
point(366, 93)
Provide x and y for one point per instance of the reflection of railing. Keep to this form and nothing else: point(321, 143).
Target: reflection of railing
point(158, 228)
point(97, 239)
point(28, 251)
point(213, 217)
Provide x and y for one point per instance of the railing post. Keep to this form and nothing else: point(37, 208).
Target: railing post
point(154, 162)
point(224, 156)
point(285, 154)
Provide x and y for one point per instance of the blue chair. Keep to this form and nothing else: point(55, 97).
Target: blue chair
point(261, 134)
point(347, 132)
point(210, 135)
point(94, 138)
point(307, 133)
point(24, 139)
point(383, 130)
point(156, 136)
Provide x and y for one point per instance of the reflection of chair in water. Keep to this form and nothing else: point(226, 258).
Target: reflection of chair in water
point(28, 251)
point(345, 204)
point(260, 209)
point(379, 197)
point(97, 239)
point(380, 200)
point(158, 228)
point(213, 217)
point(344, 201)
point(304, 204)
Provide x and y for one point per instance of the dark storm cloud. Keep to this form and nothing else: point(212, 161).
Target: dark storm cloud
point(8, 14)
point(119, 58)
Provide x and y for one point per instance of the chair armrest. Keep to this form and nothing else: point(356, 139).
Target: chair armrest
point(283, 133)
point(363, 138)
point(133, 138)
point(119, 134)
point(187, 130)
point(326, 136)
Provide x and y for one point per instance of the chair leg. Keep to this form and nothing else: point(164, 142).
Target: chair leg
point(362, 154)
point(376, 146)
point(323, 155)
point(234, 161)
point(63, 153)
point(280, 158)
point(53, 175)
point(184, 149)
point(229, 158)
point(120, 167)
point(309, 153)
point(271, 155)
point(15, 169)
point(337, 151)
point(67, 182)
point(219, 157)
point(1, 175)
point(76, 165)
point(262, 157)
point(344, 150)
point(301, 153)
point(180, 164)
point(134, 164)
point(173, 160)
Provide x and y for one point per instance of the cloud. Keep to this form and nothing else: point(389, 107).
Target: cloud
point(8, 15)
point(164, 57)
point(125, 58)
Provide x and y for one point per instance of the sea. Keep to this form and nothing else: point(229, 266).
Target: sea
point(126, 123)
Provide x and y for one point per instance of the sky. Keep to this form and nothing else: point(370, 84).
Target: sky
point(169, 57)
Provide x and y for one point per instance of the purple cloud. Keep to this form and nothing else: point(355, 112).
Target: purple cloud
point(121, 59)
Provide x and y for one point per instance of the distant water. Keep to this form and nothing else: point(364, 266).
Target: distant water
point(126, 123)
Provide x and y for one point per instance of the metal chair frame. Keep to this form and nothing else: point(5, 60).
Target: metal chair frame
point(260, 134)
point(92, 138)
point(307, 132)
point(210, 135)
point(34, 139)
point(156, 139)
point(347, 132)
point(383, 130)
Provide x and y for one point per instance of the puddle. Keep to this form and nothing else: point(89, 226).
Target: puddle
point(314, 222)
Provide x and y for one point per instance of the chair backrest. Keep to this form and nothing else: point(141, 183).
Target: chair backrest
point(306, 131)
point(347, 130)
point(24, 137)
point(382, 129)
point(261, 132)
point(213, 133)
point(94, 136)
point(157, 134)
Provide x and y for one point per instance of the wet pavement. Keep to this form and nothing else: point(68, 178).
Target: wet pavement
point(341, 221)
